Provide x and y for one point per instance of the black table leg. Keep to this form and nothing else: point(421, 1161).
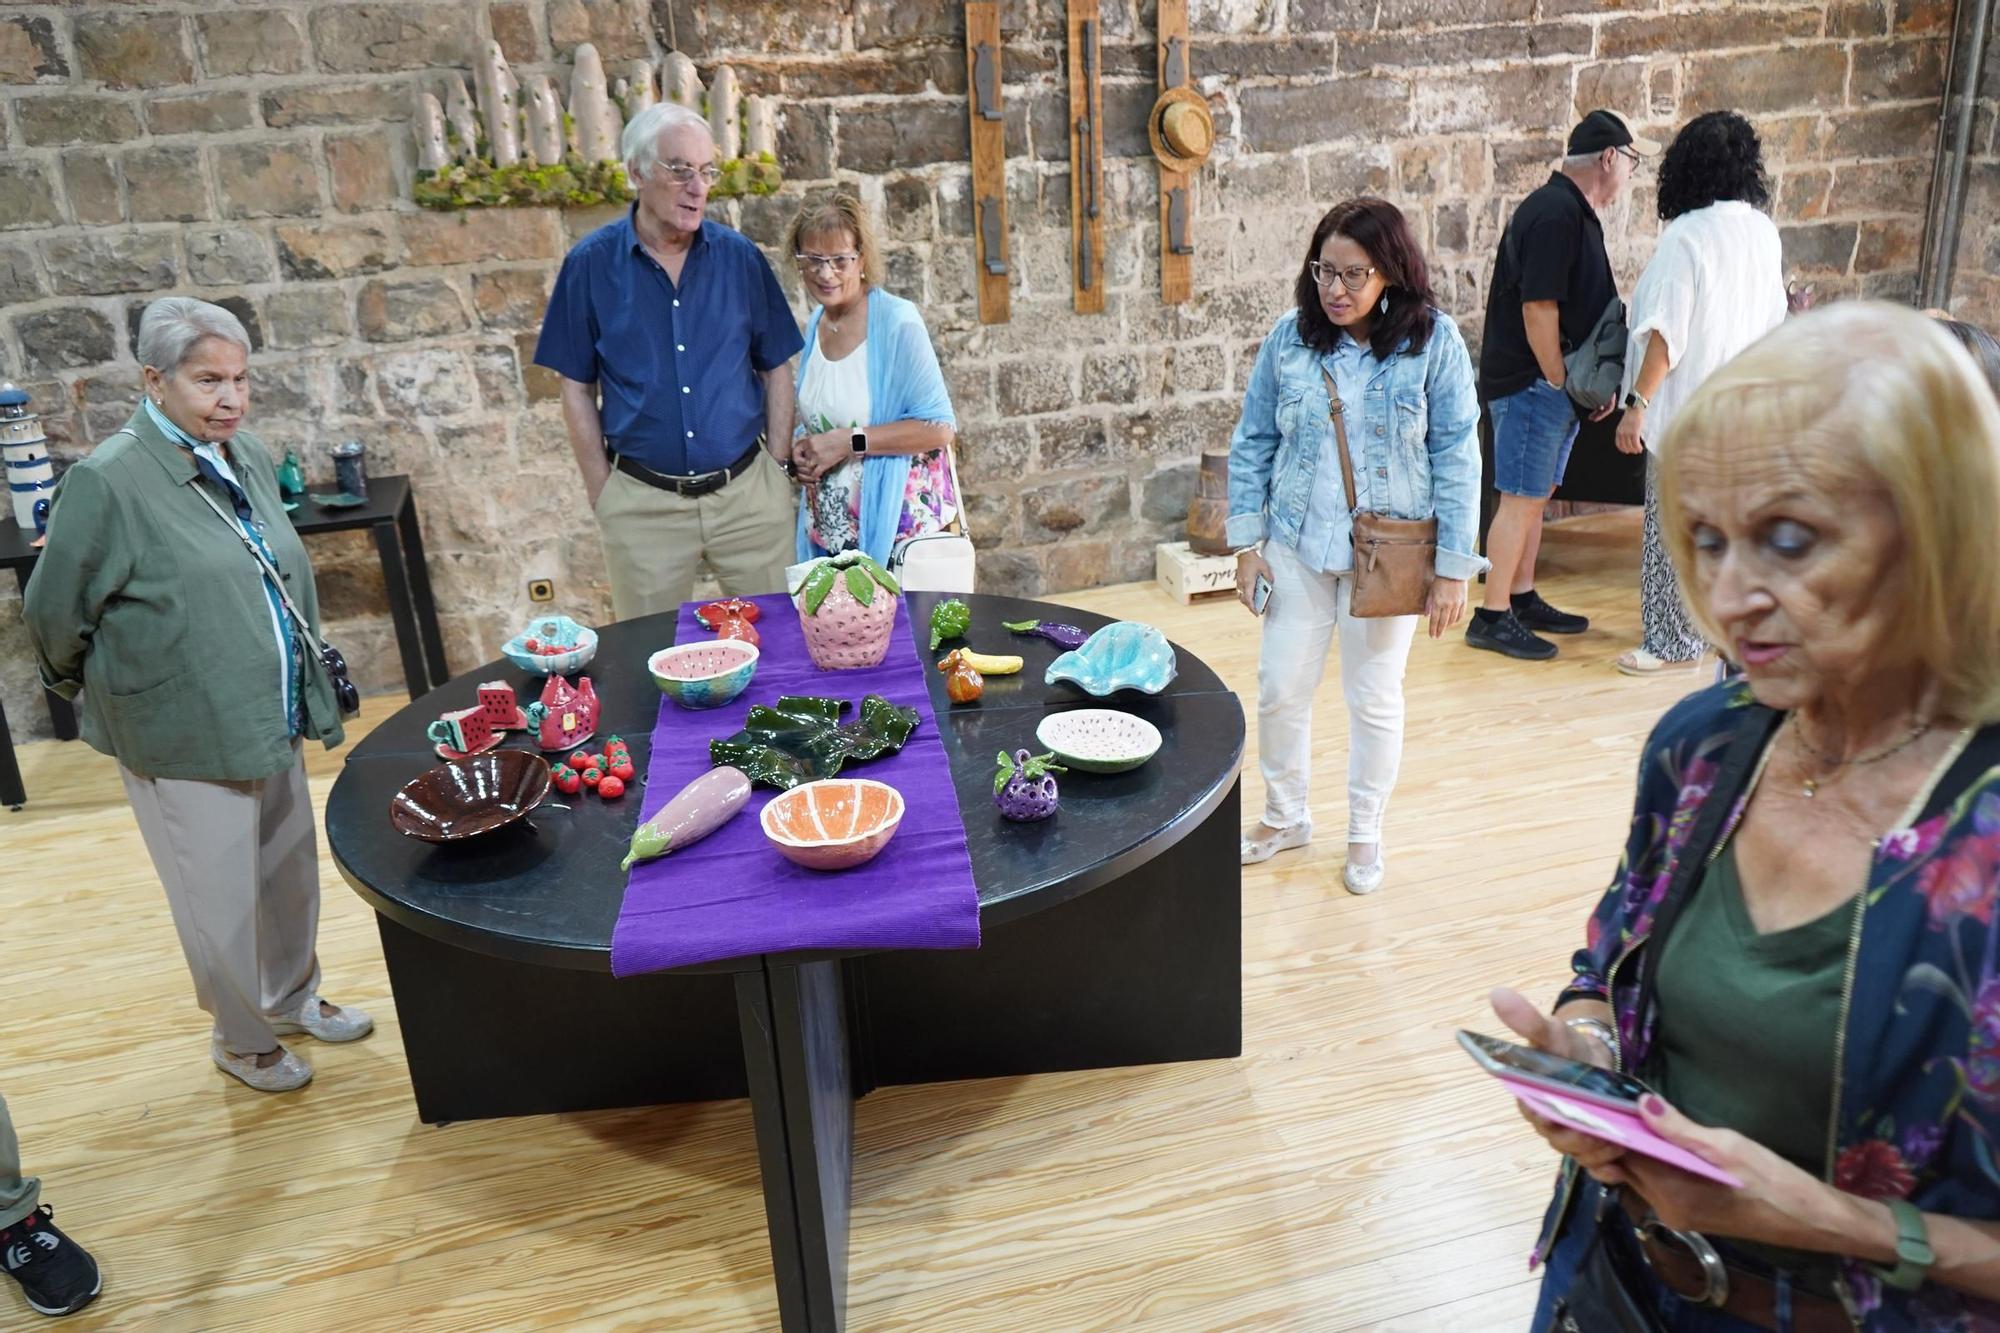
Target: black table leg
point(801, 1093)
point(62, 717)
point(420, 590)
point(13, 794)
point(395, 576)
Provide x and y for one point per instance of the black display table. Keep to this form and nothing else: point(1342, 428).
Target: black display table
point(391, 513)
point(1098, 950)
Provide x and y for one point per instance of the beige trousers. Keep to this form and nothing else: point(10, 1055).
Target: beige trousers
point(240, 864)
point(655, 541)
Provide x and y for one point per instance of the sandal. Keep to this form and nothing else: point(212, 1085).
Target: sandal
point(1639, 662)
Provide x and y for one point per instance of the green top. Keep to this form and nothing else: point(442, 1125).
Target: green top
point(1748, 1024)
point(147, 597)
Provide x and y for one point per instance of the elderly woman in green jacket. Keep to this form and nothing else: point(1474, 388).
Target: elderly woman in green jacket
point(203, 676)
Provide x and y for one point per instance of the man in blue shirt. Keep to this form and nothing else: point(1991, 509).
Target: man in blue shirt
point(674, 343)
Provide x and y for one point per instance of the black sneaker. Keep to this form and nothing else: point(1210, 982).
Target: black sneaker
point(1535, 613)
point(1505, 633)
point(57, 1274)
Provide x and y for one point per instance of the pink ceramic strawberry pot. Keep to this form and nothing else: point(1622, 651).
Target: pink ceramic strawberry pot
point(847, 607)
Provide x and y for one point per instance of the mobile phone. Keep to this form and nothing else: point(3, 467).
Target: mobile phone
point(1524, 1064)
point(1260, 595)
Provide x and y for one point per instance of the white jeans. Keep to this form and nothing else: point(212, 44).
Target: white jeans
point(1298, 628)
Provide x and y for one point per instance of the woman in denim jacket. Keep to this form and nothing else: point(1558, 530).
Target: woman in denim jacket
point(1364, 317)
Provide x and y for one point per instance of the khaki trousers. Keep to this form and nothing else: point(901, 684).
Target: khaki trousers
point(655, 541)
point(18, 1197)
point(240, 864)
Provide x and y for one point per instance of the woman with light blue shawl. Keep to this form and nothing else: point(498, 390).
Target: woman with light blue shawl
point(868, 366)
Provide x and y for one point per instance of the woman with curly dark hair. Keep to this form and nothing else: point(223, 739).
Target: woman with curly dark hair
point(1715, 285)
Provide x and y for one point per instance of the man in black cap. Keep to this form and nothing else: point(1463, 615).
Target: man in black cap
point(1551, 281)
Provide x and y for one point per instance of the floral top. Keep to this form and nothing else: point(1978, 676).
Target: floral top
point(1917, 1086)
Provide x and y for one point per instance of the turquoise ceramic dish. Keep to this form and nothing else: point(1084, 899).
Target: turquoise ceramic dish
point(1125, 655)
point(704, 675)
point(552, 629)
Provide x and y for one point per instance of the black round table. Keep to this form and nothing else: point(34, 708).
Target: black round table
point(1097, 950)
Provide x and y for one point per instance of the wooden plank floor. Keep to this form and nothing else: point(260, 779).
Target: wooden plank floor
point(1350, 1171)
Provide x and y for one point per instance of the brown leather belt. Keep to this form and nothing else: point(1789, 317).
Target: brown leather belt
point(1690, 1268)
point(703, 483)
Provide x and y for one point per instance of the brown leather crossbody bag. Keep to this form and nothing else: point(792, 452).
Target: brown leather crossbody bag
point(1394, 558)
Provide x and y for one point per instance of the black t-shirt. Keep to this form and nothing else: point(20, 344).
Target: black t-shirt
point(1552, 250)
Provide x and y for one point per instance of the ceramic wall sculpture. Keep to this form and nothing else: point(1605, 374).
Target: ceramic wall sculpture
point(962, 684)
point(1024, 789)
point(1057, 633)
point(521, 143)
point(801, 738)
point(833, 825)
point(1124, 655)
point(566, 715)
point(847, 607)
point(950, 619)
point(707, 674)
point(731, 619)
point(1099, 740)
point(696, 810)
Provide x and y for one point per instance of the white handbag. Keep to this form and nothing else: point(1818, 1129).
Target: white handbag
point(942, 561)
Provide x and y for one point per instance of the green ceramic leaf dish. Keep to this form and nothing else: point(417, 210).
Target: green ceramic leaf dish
point(801, 738)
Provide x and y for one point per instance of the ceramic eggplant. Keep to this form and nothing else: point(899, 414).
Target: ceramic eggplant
point(1061, 635)
point(697, 810)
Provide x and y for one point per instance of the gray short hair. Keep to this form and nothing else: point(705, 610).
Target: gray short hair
point(172, 326)
point(639, 146)
point(1581, 161)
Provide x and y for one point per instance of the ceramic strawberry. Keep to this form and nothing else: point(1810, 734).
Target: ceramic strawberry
point(1025, 787)
point(847, 607)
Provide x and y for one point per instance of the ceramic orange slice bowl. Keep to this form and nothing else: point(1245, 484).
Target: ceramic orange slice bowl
point(834, 824)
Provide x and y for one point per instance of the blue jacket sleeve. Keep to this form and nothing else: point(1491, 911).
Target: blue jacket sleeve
point(1453, 441)
point(1253, 448)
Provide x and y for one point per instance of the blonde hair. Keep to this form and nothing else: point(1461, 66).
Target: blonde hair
point(1896, 398)
point(836, 211)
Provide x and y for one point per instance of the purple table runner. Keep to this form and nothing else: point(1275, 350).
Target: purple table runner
point(732, 894)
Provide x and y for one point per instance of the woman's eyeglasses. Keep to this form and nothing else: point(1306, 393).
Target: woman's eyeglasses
point(1354, 279)
point(835, 264)
point(681, 173)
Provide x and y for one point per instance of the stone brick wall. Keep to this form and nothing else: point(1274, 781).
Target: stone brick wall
point(259, 156)
point(1975, 290)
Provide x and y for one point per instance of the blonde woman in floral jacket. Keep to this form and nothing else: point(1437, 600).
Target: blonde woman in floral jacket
point(1801, 950)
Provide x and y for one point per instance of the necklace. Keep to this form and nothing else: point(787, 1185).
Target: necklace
point(1809, 786)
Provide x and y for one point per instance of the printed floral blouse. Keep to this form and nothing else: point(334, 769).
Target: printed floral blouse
point(929, 504)
point(1917, 1088)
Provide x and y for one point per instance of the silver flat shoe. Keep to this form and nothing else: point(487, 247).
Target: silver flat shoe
point(1365, 879)
point(289, 1073)
point(1282, 840)
point(345, 1024)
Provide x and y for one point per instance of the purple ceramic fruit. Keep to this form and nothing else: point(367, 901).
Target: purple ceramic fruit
point(697, 810)
point(1024, 789)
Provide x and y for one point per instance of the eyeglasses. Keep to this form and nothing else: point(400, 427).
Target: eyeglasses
point(836, 264)
point(1626, 151)
point(344, 691)
point(1354, 279)
point(683, 174)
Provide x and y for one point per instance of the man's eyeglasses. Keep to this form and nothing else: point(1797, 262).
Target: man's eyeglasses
point(836, 264)
point(1627, 151)
point(1354, 279)
point(682, 174)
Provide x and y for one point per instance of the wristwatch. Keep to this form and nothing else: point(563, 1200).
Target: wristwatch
point(1638, 400)
point(1595, 1027)
point(1914, 1255)
point(859, 441)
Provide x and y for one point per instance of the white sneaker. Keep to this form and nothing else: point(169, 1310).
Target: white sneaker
point(1282, 840)
point(1368, 878)
point(345, 1024)
point(289, 1073)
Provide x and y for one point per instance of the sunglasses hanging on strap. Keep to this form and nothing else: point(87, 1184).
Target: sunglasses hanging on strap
point(329, 656)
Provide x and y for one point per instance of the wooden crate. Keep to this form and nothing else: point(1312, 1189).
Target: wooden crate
point(1189, 577)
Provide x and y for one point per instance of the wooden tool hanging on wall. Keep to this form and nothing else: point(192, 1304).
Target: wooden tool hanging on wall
point(989, 158)
point(1182, 132)
point(1086, 159)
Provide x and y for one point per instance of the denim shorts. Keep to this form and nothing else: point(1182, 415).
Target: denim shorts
point(1533, 431)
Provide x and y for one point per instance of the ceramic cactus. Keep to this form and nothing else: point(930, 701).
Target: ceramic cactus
point(847, 607)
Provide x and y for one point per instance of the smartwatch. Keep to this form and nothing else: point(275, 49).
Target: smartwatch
point(1914, 1255)
point(1638, 400)
point(859, 441)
